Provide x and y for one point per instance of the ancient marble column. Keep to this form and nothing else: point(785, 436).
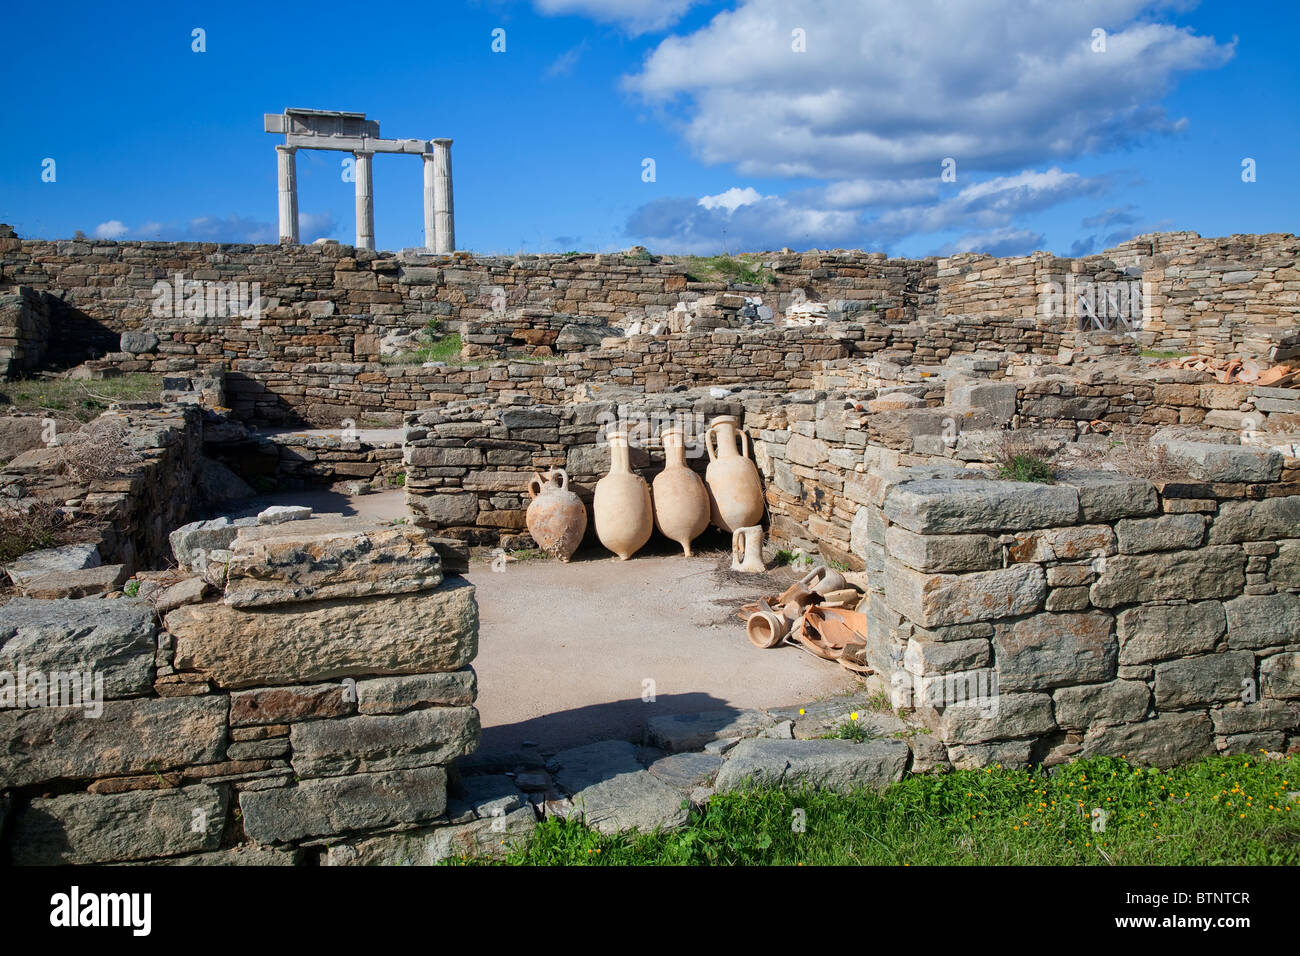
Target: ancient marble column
point(365, 201)
point(444, 233)
point(430, 218)
point(288, 180)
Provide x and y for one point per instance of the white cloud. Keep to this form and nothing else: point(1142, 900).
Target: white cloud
point(566, 61)
point(221, 229)
point(880, 192)
point(634, 16)
point(732, 199)
point(986, 210)
point(989, 204)
point(886, 90)
point(996, 242)
point(685, 225)
point(313, 226)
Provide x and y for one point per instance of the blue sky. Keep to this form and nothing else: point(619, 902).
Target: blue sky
point(1057, 144)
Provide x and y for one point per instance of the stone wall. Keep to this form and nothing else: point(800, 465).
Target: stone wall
point(318, 348)
point(1233, 297)
point(128, 514)
point(335, 303)
point(1098, 615)
point(285, 722)
point(24, 331)
point(366, 458)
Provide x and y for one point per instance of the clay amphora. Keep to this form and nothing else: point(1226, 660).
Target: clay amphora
point(624, 516)
point(747, 550)
point(823, 580)
point(556, 517)
point(681, 502)
point(735, 494)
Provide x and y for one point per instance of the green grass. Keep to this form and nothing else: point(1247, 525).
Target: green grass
point(723, 269)
point(1156, 354)
point(83, 400)
point(1027, 467)
point(849, 730)
point(1220, 810)
point(445, 348)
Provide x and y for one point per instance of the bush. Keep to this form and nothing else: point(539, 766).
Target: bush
point(1018, 460)
point(30, 526)
point(99, 451)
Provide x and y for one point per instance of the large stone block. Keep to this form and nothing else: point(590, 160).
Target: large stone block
point(962, 505)
point(943, 552)
point(131, 736)
point(445, 509)
point(839, 765)
point(487, 837)
point(372, 743)
point(1259, 715)
point(924, 658)
point(1014, 715)
point(1063, 544)
point(80, 828)
point(430, 631)
point(678, 732)
point(276, 705)
point(1213, 572)
point(1210, 678)
point(1207, 461)
point(613, 792)
point(1115, 702)
point(189, 542)
point(1279, 675)
point(1162, 631)
point(1262, 520)
point(1164, 741)
point(1263, 620)
point(992, 403)
point(809, 452)
point(330, 806)
point(933, 600)
point(1008, 754)
point(321, 559)
point(60, 560)
point(396, 695)
point(1053, 650)
point(859, 538)
point(1166, 533)
point(1106, 496)
point(1284, 569)
point(116, 640)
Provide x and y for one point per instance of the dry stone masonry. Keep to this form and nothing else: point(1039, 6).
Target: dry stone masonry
point(298, 688)
point(271, 713)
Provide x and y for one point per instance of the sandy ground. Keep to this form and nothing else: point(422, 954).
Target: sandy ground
point(382, 506)
point(567, 651)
